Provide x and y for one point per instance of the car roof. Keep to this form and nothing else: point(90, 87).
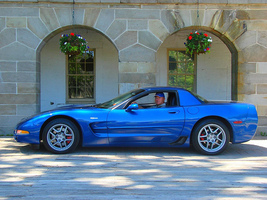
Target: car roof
point(156, 88)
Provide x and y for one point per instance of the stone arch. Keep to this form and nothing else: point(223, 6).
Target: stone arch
point(234, 56)
point(53, 66)
point(228, 25)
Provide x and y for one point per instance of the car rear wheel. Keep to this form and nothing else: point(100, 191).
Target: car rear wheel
point(210, 137)
point(60, 136)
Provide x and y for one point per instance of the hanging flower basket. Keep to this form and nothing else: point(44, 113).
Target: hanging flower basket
point(197, 43)
point(72, 44)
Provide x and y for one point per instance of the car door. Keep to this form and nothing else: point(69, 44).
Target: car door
point(161, 125)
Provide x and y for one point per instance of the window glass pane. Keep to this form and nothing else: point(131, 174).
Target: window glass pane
point(72, 92)
point(72, 68)
point(89, 68)
point(80, 81)
point(189, 82)
point(172, 66)
point(72, 81)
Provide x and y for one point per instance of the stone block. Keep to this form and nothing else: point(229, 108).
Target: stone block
point(255, 53)
point(256, 99)
point(64, 16)
point(133, 78)
point(49, 17)
point(247, 89)
point(189, 18)
point(126, 87)
point(10, 122)
point(149, 40)
point(128, 67)
point(262, 37)
point(26, 66)
point(116, 29)
point(27, 109)
point(7, 109)
point(24, 88)
point(2, 23)
point(146, 67)
point(79, 16)
point(262, 119)
point(262, 89)
point(172, 20)
point(7, 36)
point(18, 77)
point(110, 1)
point(7, 130)
point(257, 25)
point(139, 1)
point(247, 68)
point(262, 67)
point(19, 12)
point(137, 53)
point(257, 14)
point(196, 20)
point(137, 24)
point(7, 88)
point(28, 38)
point(17, 51)
point(236, 29)
point(104, 20)
point(37, 27)
point(158, 29)
point(225, 19)
point(137, 14)
point(19, 98)
point(208, 17)
point(247, 39)
point(126, 39)
point(8, 66)
point(255, 78)
point(16, 22)
point(91, 16)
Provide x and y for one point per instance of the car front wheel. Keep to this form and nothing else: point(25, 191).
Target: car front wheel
point(210, 137)
point(60, 136)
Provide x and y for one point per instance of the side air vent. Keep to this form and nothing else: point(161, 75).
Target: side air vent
point(181, 140)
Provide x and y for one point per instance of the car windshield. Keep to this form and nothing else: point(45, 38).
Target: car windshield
point(119, 99)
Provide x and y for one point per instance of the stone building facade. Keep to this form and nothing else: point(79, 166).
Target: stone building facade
point(130, 38)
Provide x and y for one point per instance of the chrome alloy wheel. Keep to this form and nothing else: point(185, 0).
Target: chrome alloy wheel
point(212, 138)
point(60, 137)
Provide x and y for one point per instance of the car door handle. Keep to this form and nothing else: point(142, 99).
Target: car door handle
point(173, 112)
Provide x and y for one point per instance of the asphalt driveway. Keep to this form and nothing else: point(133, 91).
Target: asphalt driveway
point(133, 173)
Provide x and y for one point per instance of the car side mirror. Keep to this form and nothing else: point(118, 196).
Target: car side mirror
point(131, 107)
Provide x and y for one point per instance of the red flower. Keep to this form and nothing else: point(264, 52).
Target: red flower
point(197, 33)
point(72, 34)
point(208, 48)
point(190, 37)
point(206, 35)
point(191, 33)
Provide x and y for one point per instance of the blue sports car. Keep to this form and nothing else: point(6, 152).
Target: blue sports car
point(135, 118)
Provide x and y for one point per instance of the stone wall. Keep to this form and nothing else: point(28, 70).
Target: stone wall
point(137, 29)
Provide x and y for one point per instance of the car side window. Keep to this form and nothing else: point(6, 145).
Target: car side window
point(149, 101)
point(146, 101)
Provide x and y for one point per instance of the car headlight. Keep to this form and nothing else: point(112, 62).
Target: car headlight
point(22, 132)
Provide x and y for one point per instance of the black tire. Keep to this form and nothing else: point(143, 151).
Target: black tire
point(61, 136)
point(210, 137)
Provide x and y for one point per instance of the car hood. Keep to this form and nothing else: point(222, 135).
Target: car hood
point(70, 107)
